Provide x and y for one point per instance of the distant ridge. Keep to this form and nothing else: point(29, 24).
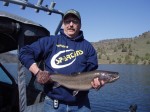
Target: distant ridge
point(124, 50)
point(112, 51)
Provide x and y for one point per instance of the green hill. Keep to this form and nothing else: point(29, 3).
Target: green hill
point(113, 51)
point(124, 50)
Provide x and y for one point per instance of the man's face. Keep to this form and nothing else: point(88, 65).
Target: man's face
point(71, 25)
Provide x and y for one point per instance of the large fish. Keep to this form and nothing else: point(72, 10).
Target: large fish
point(82, 81)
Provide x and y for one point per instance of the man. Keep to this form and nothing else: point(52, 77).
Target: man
point(66, 53)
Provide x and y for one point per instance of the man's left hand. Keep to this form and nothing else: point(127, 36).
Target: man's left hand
point(97, 83)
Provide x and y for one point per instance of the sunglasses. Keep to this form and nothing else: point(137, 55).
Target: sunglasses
point(74, 21)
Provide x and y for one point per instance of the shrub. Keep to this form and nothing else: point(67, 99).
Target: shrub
point(148, 42)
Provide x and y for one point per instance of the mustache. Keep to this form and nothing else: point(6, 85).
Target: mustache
point(71, 29)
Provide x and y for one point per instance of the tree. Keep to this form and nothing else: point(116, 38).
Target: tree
point(128, 59)
point(119, 60)
point(148, 42)
point(124, 49)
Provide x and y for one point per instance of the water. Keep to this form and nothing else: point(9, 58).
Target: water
point(133, 87)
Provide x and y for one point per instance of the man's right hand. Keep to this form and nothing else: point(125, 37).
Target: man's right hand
point(43, 76)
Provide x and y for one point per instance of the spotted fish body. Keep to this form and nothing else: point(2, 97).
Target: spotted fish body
point(82, 81)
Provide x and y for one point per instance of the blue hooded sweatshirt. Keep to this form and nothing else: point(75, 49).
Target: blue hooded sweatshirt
point(62, 55)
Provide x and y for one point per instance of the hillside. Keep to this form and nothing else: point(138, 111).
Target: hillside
point(124, 50)
point(113, 51)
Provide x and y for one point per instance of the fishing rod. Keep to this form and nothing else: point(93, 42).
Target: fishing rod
point(38, 6)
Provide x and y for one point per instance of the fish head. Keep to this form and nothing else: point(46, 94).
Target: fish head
point(113, 77)
point(109, 76)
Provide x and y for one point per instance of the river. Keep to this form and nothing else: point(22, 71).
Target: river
point(133, 87)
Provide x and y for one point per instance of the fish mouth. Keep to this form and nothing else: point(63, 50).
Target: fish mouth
point(113, 79)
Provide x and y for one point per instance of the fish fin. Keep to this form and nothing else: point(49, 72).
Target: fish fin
point(75, 74)
point(55, 72)
point(79, 73)
point(75, 92)
point(56, 85)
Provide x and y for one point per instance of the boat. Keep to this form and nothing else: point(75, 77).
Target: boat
point(19, 91)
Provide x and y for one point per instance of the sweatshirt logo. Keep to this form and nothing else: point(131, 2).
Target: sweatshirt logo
point(64, 58)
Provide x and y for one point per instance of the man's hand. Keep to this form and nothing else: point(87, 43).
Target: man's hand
point(97, 83)
point(43, 77)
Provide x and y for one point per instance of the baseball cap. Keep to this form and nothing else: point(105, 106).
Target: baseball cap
point(74, 12)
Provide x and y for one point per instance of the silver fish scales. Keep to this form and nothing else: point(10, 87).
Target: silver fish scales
point(82, 81)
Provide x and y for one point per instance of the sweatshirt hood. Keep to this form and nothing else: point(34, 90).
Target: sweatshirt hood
point(77, 38)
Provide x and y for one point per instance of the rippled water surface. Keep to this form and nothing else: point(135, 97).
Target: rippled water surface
point(133, 87)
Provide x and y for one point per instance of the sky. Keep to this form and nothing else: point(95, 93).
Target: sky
point(101, 19)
